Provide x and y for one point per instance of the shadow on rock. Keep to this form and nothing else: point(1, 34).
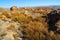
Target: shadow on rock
point(53, 17)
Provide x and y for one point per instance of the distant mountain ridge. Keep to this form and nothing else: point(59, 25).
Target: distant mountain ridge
point(54, 7)
point(51, 6)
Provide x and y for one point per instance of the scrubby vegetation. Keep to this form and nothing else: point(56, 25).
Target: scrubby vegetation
point(29, 24)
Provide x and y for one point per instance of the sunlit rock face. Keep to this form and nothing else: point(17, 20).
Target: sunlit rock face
point(13, 8)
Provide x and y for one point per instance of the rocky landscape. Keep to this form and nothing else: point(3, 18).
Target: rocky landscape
point(39, 23)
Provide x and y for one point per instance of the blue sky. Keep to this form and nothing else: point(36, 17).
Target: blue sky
point(29, 3)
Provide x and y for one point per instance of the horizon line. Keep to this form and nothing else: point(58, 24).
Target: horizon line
point(31, 6)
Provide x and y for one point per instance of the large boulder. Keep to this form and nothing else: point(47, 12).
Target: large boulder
point(13, 8)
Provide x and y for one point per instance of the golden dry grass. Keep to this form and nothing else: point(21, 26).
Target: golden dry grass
point(32, 28)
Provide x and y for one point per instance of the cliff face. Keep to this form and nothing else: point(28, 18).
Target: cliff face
point(29, 24)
